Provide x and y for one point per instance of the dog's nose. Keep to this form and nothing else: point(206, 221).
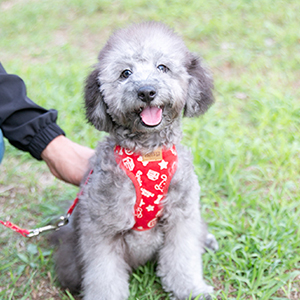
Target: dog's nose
point(147, 93)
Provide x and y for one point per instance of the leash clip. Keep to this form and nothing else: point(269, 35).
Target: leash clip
point(62, 221)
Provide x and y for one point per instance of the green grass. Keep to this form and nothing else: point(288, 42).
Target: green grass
point(246, 148)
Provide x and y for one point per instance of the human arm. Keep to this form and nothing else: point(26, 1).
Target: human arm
point(32, 128)
point(26, 125)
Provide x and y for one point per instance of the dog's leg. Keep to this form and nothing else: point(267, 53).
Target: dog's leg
point(105, 274)
point(66, 260)
point(180, 263)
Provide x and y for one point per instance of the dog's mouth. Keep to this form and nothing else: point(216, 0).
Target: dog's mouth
point(151, 116)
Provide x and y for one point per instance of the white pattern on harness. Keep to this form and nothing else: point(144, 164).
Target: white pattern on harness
point(128, 163)
point(161, 185)
point(146, 193)
point(152, 175)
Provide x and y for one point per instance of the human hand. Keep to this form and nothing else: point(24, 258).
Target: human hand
point(67, 160)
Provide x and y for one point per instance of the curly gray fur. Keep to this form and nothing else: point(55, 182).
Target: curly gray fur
point(99, 250)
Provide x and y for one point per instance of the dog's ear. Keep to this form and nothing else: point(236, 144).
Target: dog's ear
point(95, 107)
point(200, 96)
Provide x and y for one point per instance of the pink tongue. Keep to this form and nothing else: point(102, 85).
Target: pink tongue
point(151, 116)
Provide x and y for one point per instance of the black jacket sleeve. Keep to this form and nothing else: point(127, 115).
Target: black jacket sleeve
point(26, 125)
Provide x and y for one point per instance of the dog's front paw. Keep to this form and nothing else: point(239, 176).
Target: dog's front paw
point(211, 242)
point(204, 292)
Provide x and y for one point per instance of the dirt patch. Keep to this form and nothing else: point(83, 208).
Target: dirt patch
point(7, 5)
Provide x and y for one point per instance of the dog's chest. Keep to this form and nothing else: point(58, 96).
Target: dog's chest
point(151, 176)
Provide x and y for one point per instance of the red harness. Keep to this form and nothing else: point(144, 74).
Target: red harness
point(151, 175)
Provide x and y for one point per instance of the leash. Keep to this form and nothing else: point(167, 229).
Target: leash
point(62, 220)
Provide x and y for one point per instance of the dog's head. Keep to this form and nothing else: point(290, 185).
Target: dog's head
point(144, 80)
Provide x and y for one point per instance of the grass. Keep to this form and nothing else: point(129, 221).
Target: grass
point(246, 148)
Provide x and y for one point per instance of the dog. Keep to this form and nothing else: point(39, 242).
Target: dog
point(141, 202)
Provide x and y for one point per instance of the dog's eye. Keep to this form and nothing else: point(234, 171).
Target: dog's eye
point(163, 68)
point(126, 73)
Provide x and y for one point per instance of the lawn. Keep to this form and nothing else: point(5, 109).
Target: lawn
point(246, 147)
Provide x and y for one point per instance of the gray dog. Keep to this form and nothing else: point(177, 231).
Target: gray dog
point(142, 200)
